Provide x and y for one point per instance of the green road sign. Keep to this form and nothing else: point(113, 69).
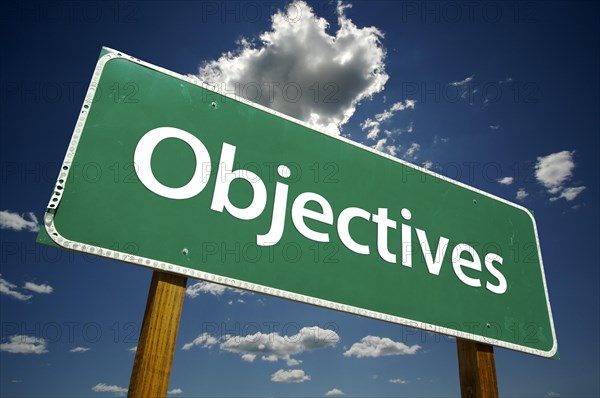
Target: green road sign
point(164, 172)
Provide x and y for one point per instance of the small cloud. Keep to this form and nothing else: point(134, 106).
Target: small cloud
point(495, 127)
point(199, 288)
point(175, 391)
point(522, 194)
point(375, 347)
point(569, 194)
point(411, 152)
point(21, 344)
point(17, 222)
point(373, 126)
point(553, 394)
point(41, 289)
point(80, 349)
point(132, 349)
point(335, 392)
point(506, 80)
point(554, 170)
point(10, 290)
point(506, 180)
point(382, 146)
point(101, 387)
point(428, 164)
point(16, 381)
point(204, 340)
point(462, 82)
point(398, 381)
point(289, 376)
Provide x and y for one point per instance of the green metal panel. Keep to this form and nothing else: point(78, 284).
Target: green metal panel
point(101, 207)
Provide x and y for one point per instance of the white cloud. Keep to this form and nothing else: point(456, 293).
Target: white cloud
point(132, 349)
point(335, 392)
point(101, 387)
point(506, 180)
point(199, 288)
point(175, 391)
point(389, 149)
point(204, 340)
point(411, 152)
point(554, 170)
point(271, 347)
point(569, 194)
point(80, 349)
point(17, 222)
point(398, 381)
point(553, 394)
point(289, 376)
point(21, 344)
point(41, 289)
point(428, 164)
point(196, 289)
point(373, 126)
point(506, 80)
point(462, 82)
point(10, 290)
point(333, 71)
point(374, 347)
point(522, 194)
point(495, 127)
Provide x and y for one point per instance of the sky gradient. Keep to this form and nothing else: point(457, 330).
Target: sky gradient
point(500, 96)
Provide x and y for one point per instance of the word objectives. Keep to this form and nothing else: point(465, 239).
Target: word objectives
point(299, 211)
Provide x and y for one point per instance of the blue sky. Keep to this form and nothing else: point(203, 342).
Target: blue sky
point(501, 96)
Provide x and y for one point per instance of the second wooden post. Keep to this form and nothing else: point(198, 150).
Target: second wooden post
point(156, 346)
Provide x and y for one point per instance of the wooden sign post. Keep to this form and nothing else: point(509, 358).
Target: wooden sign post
point(156, 346)
point(477, 370)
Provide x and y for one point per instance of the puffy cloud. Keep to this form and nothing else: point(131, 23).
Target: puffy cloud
point(411, 152)
point(335, 392)
point(41, 289)
point(372, 126)
point(398, 381)
point(10, 289)
point(554, 170)
point(374, 347)
point(270, 347)
point(522, 194)
point(101, 387)
point(175, 391)
point(301, 70)
point(204, 340)
point(80, 349)
point(382, 146)
point(21, 344)
point(506, 180)
point(289, 376)
point(428, 164)
point(569, 194)
point(17, 222)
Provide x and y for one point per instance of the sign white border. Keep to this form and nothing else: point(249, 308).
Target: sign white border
point(238, 284)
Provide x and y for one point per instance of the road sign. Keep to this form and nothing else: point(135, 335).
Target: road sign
point(165, 172)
